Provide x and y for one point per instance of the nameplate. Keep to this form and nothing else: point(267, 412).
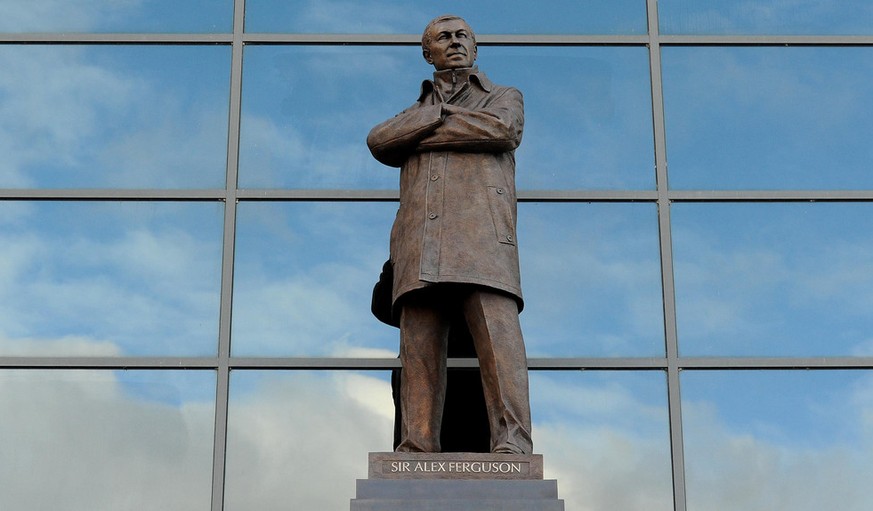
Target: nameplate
point(452, 465)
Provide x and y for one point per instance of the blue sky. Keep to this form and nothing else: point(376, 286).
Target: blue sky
point(143, 279)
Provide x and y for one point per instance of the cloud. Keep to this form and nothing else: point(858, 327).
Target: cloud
point(73, 15)
point(72, 116)
point(303, 440)
point(144, 286)
point(728, 469)
point(77, 440)
point(300, 439)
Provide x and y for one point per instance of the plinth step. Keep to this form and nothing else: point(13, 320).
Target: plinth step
point(457, 495)
point(458, 505)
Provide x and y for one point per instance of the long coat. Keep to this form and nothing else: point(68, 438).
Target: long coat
point(457, 216)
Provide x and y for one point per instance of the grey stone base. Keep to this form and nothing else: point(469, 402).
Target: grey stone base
point(456, 482)
point(456, 495)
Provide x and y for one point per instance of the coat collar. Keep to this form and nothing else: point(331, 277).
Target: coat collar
point(474, 76)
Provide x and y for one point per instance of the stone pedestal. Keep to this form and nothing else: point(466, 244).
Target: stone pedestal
point(456, 482)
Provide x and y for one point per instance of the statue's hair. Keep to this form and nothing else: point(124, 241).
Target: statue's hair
point(425, 36)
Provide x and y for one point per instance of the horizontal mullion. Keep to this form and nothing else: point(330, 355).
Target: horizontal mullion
point(534, 364)
point(108, 362)
point(112, 194)
point(765, 40)
point(801, 363)
point(393, 195)
point(113, 38)
point(769, 195)
point(317, 195)
point(415, 39)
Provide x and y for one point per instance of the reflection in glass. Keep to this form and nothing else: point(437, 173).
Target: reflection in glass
point(846, 17)
point(591, 280)
point(765, 440)
point(106, 439)
point(109, 278)
point(299, 440)
point(774, 279)
point(113, 116)
point(588, 121)
point(307, 112)
point(485, 16)
point(304, 279)
point(117, 16)
point(769, 118)
point(605, 437)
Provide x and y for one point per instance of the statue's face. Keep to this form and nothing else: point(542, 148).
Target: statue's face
point(451, 45)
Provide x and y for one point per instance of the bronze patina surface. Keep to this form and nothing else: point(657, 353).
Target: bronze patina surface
point(453, 244)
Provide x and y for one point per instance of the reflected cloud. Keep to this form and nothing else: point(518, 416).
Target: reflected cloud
point(760, 118)
point(78, 440)
point(812, 17)
point(144, 286)
point(729, 467)
point(799, 282)
point(81, 117)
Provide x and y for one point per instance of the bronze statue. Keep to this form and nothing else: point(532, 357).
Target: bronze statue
point(453, 243)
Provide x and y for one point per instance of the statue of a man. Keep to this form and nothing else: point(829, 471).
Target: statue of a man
point(453, 243)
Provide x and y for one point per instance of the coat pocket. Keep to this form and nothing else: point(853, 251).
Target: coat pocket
point(500, 202)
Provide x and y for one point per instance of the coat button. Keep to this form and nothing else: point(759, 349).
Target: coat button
point(509, 237)
point(432, 216)
point(434, 177)
point(500, 190)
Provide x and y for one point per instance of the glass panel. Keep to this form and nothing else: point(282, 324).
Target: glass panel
point(485, 16)
point(764, 440)
point(304, 279)
point(588, 115)
point(307, 112)
point(769, 118)
point(601, 433)
point(106, 439)
point(113, 116)
point(805, 17)
point(591, 278)
point(117, 16)
point(774, 279)
point(299, 440)
point(109, 278)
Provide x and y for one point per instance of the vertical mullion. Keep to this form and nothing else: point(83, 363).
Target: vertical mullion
point(230, 208)
point(666, 250)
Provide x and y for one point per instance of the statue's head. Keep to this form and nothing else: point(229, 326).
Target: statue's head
point(448, 42)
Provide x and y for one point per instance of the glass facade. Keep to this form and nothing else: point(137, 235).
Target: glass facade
point(192, 225)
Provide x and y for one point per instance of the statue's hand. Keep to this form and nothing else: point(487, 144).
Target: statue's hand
point(449, 109)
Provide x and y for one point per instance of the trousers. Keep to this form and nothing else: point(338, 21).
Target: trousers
point(492, 318)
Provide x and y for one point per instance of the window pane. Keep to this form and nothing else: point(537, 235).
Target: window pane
point(588, 115)
point(758, 118)
point(764, 440)
point(774, 279)
point(307, 112)
point(109, 278)
point(304, 279)
point(113, 116)
point(591, 280)
point(106, 439)
point(117, 16)
point(485, 16)
point(846, 17)
point(601, 433)
point(299, 440)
